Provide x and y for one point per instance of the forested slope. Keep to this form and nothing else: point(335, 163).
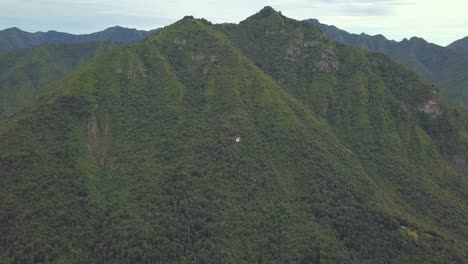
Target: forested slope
point(445, 67)
point(15, 38)
point(26, 72)
point(345, 156)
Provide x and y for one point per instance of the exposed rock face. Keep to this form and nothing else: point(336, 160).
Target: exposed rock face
point(310, 44)
point(207, 60)
point(92, 140)
point(295, 49)
point(198, 57)
point(431, 108)
point(180, 43)
point(133, 72)
point(328, 62)
point(96, 140)
point(301, 48)
point(272, 33)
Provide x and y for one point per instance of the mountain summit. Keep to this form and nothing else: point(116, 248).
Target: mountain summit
point(344, 157)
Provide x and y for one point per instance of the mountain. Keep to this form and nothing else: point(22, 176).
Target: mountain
point(26, 72)
point(14, 38)
point(459, 45)
point(446, 68)
point(364, 41)
point(343, 156)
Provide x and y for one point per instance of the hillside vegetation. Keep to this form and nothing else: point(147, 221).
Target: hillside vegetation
point(26, 72)
point(344, 157)
point(445, 67)
point(15, 38)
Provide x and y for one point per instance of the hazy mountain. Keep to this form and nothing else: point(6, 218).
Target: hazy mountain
point(460, 45)
point(368, 42)
point(444, 67)
point(344, 155)
point(26, 72)
point(14, 38)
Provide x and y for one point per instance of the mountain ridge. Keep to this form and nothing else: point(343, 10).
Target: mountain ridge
point(343, 157)
point(25, 73)
point(14, 38)
point(444, 67)
point(460, 45)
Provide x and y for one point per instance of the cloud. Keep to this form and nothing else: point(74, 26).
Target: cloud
point(365, 7)
point(353, 10)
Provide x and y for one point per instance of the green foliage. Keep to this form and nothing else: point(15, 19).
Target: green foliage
point(445, 67)
point(131, 158)
point(403, 134)
point(25, 72)
point(14, 38)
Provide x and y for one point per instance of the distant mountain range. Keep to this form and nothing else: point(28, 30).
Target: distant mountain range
point(460, 45)
point(32, 62)
point(14, 38)
point(445, 67)
point(24, 73)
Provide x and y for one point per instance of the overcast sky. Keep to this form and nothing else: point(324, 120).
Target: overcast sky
point(437, 21)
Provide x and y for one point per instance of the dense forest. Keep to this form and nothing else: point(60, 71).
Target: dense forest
point(14, 38)
point(444, 67)
point(25, 73)
point(343, 156)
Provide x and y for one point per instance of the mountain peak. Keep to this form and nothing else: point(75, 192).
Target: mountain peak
point(115, 28)
point(266, 11)
point(417, 39)
point(13, 29)
point(313, 21)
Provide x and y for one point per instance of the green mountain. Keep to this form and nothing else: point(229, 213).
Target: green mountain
point(15, 38)
point(26, 72)
point(344, 156)
point(459, 45)
point(364, 41)
point(445, 67)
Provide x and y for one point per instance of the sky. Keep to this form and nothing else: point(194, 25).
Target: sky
point(437, 21)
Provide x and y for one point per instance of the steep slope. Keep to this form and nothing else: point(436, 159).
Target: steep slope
point(364, 41)
point(135, 151)
point(15, 38)
point(132, 159)
point(402, 132)
point(459, 45)
point(444, 67)
point(26, 72)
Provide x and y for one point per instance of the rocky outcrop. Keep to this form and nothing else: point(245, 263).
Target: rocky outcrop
point(97, 140)
point(206, 60)
point(431, 108)
point(327, 60)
